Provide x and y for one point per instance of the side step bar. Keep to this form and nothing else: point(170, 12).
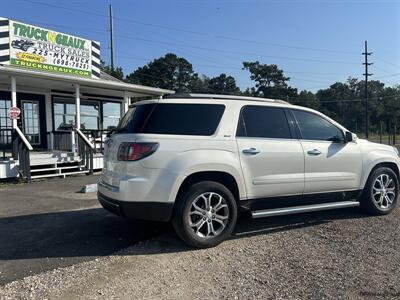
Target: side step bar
point(302, 209)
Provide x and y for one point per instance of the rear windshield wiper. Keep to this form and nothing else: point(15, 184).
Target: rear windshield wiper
point(115, 130)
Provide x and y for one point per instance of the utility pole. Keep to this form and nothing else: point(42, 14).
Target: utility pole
point(111, 39)
point(366, 74)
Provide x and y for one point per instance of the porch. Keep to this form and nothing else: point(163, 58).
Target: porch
point(63, 123)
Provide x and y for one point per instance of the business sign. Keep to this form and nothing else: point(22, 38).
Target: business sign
point(46, 50)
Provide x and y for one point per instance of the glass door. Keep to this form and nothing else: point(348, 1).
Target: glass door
point(31, 121)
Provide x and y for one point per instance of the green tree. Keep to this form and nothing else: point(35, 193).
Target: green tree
point(344, 102)
point(341, 101)
point(199, 84)
point(307, 99)
point(117, 72)
point(169, 72)
point(223, 84)
point(270, 82)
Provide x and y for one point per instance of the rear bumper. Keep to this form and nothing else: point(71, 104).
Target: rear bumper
point(152, 211)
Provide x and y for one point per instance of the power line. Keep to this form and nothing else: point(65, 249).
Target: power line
point(189, 31)
point(190, 46)
point(387, 62)
point(389, 75)
point(129, 56)
point(231, 51)
point(382, 69)
point(94, 13)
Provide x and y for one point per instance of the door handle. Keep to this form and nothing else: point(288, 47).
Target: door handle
point(314, 152)
point(251, 151)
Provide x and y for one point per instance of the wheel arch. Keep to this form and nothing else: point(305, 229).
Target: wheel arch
point(388, 164)
point(221, 177)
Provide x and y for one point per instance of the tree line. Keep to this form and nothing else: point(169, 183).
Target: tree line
point(342, 101)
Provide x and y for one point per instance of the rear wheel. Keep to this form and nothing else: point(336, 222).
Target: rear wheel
point(205, 215)
point(381, 192)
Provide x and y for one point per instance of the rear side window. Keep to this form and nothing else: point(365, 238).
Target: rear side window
point(169, 118)
point(314, 127)
point(263, 122)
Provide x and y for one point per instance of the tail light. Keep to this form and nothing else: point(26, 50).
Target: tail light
point(136, 151)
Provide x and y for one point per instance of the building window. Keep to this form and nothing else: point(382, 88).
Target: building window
point(111, 114)
point(65, 112)
point(5, 121)
point(89, 115)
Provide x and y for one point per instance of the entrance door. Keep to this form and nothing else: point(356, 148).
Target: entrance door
point(33, 119)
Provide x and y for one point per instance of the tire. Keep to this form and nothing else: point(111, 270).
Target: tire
point(377, 200)
point(201, 226)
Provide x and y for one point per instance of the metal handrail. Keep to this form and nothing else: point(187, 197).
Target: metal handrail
point(84, 137)
point(21, 149)
point(85, 150)
point(23, 138)
point(97, 137)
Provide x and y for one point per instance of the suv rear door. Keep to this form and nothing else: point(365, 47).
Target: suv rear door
point(331, 164)
point(272, 159)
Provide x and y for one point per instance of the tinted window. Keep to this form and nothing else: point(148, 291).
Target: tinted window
point(134, 118)
point(168, 118)
point(263, 122)
point(314, 127)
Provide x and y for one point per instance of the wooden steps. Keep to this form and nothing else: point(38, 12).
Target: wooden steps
point(55, 164)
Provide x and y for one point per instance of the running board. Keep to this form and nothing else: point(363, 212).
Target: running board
point(302, 209)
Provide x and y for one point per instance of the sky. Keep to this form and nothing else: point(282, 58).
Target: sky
point(316, 43)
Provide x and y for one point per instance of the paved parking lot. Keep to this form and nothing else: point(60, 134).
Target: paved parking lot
point(49, 224)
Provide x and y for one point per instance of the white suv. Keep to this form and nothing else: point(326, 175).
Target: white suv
point(199, 160)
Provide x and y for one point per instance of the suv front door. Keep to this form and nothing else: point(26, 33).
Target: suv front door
point(331, 164)
point(272, 161)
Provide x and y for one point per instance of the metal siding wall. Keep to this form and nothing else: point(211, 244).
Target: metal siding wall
point(4, 41)
point(95, 59)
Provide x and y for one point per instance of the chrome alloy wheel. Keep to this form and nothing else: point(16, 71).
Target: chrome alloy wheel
point(208, 215)
point(384, 191)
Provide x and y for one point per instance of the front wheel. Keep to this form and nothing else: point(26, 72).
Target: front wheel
point(381, 192)
point(205, 215)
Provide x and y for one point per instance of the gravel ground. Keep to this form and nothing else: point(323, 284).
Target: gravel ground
point(328, 255)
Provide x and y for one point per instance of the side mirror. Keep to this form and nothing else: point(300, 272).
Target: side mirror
point(350, 137)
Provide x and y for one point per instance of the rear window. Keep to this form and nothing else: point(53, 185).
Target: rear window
point(169, 118)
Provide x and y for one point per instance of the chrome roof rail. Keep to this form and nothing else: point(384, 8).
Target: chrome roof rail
point(224, 97)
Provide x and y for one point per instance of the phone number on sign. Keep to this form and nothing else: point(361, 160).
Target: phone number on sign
point(65, 60)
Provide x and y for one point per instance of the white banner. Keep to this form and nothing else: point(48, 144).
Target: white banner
point(46, 50)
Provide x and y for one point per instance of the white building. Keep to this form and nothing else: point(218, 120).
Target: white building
point(66, 103)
